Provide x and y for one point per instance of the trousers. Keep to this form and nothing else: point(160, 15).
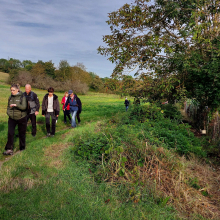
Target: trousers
point(32, 117)
point(66, 113)
point(22, 127)
point(53, 127)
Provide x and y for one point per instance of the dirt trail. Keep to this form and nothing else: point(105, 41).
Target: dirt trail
point(7, 158)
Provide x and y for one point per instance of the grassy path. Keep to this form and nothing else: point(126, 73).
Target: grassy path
point(45, 182)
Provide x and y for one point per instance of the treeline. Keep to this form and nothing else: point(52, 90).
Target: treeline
point(43, 74)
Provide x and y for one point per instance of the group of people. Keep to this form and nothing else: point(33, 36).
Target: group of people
point(24, 106)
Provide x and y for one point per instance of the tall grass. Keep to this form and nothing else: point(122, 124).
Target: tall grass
point(45, 182)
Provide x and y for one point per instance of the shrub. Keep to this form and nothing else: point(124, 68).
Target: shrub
point(43, 82)
point(171, 111)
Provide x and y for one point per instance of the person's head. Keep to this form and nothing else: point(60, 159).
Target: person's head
point(70, 92)
point(126, 98)
point(15, 88)
point(28, 88)
point(66, 94)
point(50, 91)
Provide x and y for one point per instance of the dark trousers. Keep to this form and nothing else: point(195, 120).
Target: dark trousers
point(77, 116)
point(32, 117)
point(53, 117)
point(22, 126)
point(66, 113)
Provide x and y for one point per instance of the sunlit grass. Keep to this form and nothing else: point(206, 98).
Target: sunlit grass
point(44, 181)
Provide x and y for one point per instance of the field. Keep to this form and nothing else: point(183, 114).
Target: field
point(44, 182)
point(62, 177)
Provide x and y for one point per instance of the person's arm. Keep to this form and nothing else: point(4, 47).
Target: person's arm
point(66, 104)
point(79, 105)
point(23, 104)
point(57, 110)
point(63, 102)
point(37, 102)
point(43, 107)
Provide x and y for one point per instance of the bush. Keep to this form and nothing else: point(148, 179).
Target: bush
point(44, 82)
point(144, 123)
point(171, 111)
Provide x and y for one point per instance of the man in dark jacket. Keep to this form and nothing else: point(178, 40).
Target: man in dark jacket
point(50, 109)
point(79, 103)
point(126, 103)
point(33, 107)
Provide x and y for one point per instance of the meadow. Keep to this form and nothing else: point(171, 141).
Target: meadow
point(45, 182)
point(115, 165)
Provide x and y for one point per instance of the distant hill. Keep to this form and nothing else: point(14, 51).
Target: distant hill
point(4, 77)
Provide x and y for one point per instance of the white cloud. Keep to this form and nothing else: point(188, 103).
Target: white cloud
point(56, 30)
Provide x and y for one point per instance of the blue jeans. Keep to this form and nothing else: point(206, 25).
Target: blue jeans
point(73, 121)
point(126, 107)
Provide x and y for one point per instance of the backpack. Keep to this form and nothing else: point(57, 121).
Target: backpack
point(32, 95)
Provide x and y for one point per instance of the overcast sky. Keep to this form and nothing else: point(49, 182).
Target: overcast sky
point(57, 30)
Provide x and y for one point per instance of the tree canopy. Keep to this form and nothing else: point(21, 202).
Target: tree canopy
point(174, 42)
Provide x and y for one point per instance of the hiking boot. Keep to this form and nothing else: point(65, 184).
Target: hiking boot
point(8, 152)
point(48, 134)
point(34, 135)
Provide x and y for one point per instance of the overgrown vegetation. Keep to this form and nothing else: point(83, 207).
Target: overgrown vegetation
point(144, 148)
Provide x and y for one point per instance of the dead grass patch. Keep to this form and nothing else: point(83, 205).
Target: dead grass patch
point(9, 183)
point(25, 183)
point(4, 77)
point(190, 185)
point(53, 153)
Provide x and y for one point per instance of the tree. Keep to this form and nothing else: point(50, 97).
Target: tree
point(49, 68)
point(172, 40)
point(64, 70)
point(81, 65)
point(27, 65)
point(97, 84)
point(38, 70)
point(4, 65)
point(14, 63)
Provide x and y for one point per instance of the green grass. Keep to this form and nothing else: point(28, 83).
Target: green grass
point(45, 181)
point(45, 192)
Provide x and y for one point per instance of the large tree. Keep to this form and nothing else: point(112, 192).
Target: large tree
point(173, 40)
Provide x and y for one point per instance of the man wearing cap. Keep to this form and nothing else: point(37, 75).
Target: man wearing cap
point(73, 107)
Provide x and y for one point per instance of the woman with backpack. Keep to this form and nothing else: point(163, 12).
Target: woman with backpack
point(17, 112)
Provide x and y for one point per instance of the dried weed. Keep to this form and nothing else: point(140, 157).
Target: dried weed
point(53, 153)
point(191, 185)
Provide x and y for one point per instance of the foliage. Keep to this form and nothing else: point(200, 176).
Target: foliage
point(144, 122)
point(171, 111)
point(175, 43)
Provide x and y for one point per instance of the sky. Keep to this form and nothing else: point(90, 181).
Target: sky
point(57, 30)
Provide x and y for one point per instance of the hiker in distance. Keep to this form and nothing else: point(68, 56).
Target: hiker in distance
point(17, 112)
point(66, 112)
point(79, 103)
point(50, 109)
point(126, 103)
point(73, 107)
point(33, 107)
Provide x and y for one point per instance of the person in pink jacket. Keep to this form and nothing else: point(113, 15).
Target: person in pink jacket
point(67, 110)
